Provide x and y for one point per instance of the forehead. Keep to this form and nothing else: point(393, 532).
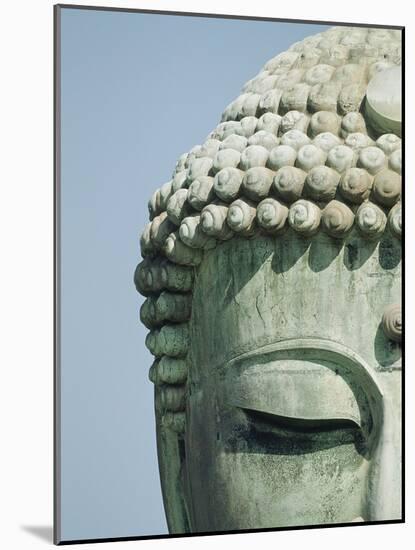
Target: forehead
point(251, 293)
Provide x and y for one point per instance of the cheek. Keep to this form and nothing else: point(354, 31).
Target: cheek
point(278, 490)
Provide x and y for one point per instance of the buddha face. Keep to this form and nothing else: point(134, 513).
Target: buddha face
point(272, 274)
point(293, 404)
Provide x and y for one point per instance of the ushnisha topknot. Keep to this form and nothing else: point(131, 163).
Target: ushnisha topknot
point(301, 149)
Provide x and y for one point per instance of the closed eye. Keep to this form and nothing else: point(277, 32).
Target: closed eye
point(301, 424)
point(285, 435)
point(302, 395)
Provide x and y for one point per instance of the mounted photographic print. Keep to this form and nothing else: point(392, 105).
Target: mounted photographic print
point(244, 176)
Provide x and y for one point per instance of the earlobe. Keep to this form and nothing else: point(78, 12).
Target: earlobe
point(171, 457)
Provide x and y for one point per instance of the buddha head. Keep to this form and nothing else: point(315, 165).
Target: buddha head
point(271, 271)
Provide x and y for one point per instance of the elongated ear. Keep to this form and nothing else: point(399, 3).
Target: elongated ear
point(171, 459)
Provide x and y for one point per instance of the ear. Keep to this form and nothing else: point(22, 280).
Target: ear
point(171, 459)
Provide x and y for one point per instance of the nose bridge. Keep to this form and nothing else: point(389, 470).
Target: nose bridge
point(385, 477)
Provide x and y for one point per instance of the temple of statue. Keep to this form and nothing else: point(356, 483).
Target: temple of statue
point(271, 270)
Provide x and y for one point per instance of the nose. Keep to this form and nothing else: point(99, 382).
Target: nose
point(385, 474)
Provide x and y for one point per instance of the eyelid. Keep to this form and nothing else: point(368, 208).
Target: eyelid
point(294, 389)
